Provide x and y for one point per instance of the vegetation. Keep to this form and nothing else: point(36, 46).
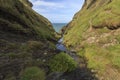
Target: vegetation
point(25, 21)
point(102, 15)
point(24, 38)
point(96, 29)
point(33, 73)
point(62, 63)
point(98, 58)
point(115, 56)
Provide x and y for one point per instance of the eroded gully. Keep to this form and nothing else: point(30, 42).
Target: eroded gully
point(80, 73)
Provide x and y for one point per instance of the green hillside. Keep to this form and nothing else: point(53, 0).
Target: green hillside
point(18, 17)
point(27, 41)
point(94, 33)
point(92, 38)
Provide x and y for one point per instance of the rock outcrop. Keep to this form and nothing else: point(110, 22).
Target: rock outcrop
point(94, 33)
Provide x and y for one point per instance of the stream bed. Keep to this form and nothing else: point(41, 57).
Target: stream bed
point(60, 46)
point(80, 73)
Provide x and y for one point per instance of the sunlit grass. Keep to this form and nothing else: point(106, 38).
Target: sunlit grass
point(96, 22)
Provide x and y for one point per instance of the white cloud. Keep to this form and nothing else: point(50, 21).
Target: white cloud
point(47, 4)
point(57, 11)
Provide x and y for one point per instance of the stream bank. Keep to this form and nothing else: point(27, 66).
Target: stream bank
point(80, 73)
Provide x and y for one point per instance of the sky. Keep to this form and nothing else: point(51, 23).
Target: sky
point(57, 11)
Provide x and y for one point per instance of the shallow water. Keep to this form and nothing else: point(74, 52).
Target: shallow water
point(60, 46)
point(80, 73)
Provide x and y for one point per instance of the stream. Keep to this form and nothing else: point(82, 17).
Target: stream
point(80, 73)
point(60, 46)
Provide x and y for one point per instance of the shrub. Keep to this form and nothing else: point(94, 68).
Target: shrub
point(62, 63)
point(33, 73)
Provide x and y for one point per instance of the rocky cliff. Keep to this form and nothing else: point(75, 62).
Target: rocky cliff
point(26, 38)
point(94, 33)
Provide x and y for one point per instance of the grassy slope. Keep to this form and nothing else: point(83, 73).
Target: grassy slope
point(20, 18)
point(26, 38)
point(94, 33)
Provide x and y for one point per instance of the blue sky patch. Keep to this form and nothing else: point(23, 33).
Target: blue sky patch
point(57, 11)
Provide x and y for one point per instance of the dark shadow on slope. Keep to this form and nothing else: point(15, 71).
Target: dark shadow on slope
point(79, 74)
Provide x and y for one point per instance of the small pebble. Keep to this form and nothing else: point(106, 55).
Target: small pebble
point(44, 60)
point(45, 53)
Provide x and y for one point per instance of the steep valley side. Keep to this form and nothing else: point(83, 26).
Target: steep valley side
point(27, 41)
point(94, 33)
